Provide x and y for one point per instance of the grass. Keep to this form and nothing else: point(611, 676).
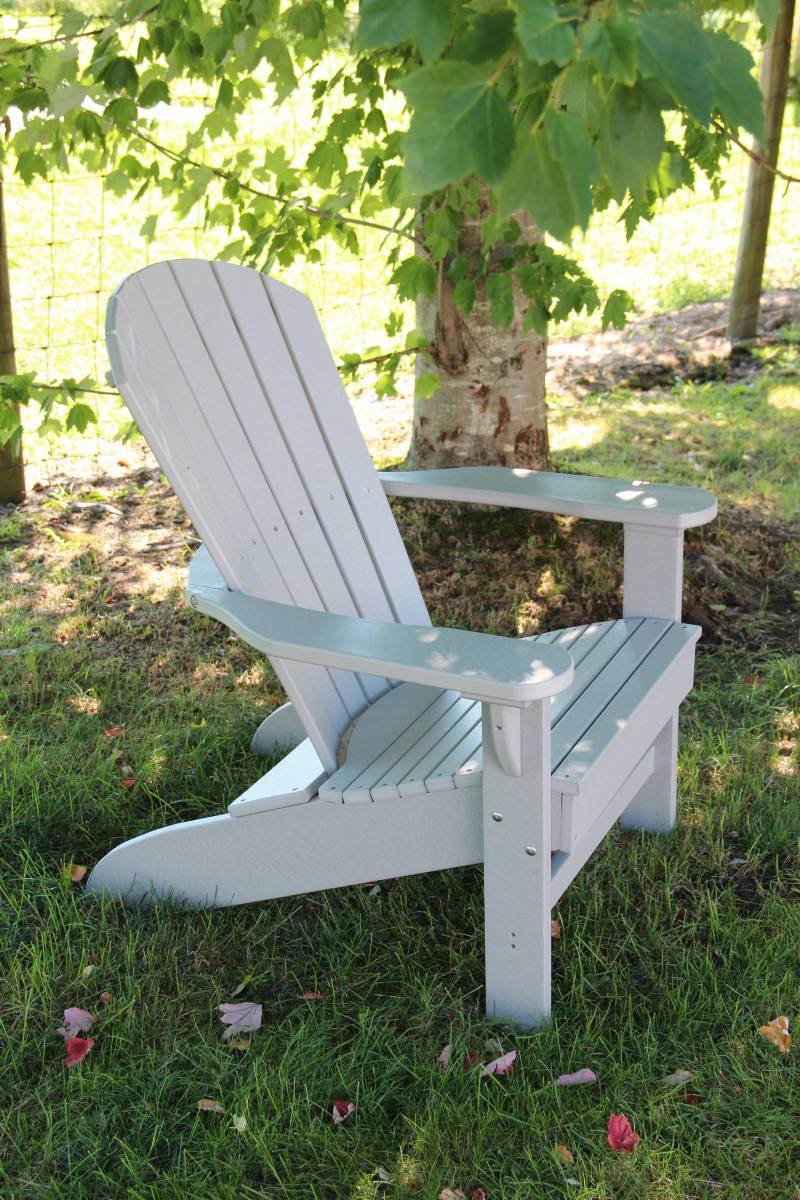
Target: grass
point(672, 950)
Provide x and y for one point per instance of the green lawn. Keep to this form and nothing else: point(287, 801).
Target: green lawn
point(673, 951)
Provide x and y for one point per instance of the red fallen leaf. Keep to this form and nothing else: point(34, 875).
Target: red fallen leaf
point(129, 781)
point(342, 1109)
point(311, 996)
point(577, 1077)
point(620, 1134)
point(115, 731)
point(503, 1065)
point(470, 1060)
point(754, 680)
point(77, 1049)
point(76, 1020)
point(77, 872)
point(477, 1194)
point(691, 1097)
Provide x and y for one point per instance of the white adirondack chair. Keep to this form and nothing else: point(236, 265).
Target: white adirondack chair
point(469, 748)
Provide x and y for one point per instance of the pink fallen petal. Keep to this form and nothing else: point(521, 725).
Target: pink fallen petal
point(76, 1020)
point(341, 1110)
point(503, 1065)
point(77, 1049)
point(582, 1076)
point(240, 1018)
point(620, 1134)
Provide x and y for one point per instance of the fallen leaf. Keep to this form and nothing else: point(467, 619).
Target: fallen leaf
point(77, 872)
point(76, 1020)
point(77, 1049)
point(470, 1060)
point(676, 1078)
point(115, 731)
point(342, 1109)
point(565, 1155)
point(452, 1194)
point(477, 1194)
point(503, 1065)
point(383, 1175)
point(241, 1018)
point(620, 1134)
point(210, 1106)
point(555, 929)
point(87, 971)
point(106, 997)
point(691, 1097)
point(754, 680)
point(129, 781)
point(239, 1124)
point(777, 1032)
point(444, 1056)
point(577, 1077)
point(243, 1044)
point(311, 996)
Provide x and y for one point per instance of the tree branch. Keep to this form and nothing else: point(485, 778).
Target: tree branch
point(751, 153)
point(301, 204)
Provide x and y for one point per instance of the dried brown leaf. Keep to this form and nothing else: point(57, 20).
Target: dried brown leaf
point(565, 1155)
point(210, 1106)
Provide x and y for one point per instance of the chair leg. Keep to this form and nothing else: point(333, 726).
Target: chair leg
point(516, 850)
point(654, 807)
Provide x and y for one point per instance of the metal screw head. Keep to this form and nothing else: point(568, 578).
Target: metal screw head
point(531, 850)
point(496, 816)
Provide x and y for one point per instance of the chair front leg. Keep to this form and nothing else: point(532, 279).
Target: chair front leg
point(516, 854)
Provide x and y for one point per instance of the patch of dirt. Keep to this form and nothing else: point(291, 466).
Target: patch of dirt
point(689, 343)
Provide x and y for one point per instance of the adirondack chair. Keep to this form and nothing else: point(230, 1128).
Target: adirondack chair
point(410, 748)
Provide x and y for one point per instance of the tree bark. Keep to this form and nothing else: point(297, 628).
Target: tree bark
point(12, 470)
point(746, 297)
point(490, 407)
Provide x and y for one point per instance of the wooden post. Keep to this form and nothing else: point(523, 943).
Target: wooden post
point(12, 470)
point(746, 297)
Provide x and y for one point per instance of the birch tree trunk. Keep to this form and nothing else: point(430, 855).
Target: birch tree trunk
point(12, 470)
point(746, 297)
point(490, 408)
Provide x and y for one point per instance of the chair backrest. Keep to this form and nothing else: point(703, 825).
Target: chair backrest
point(230, 379)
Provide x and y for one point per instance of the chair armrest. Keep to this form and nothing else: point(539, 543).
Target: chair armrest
point(633, 502)
point(498, 670)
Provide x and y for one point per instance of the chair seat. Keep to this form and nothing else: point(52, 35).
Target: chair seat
point(416, 739)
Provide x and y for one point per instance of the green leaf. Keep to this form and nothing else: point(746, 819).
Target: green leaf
point(736, 92)
point(500, 289)
point(491, 35)
point(427, 385)
point(148, 229)
point(155, 92)
point(581, 96)
point(392, 22)
point(121, 112)
point(616, 308)
point(80, 416)
point(768, 13)
point(544, 33)
point(535, 317)
point(30, 164)
point(460, 125)
point(611, 44)
point(120, 75)
point(674, 50)
point(117, 182)
point(631, 141)
point(464, 295)
point(551, 174)
point(414, 277)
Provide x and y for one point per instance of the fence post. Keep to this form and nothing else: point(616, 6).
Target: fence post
point(12, 470)
point(746, 297)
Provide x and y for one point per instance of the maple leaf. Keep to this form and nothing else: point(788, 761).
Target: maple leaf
point(620, 1133)
point(477, 1194)
point(555, 929)
point(503, 1065)
point(777, 1032)
point(566, 1156)
point(241, 1018)
point(77, 1049)
point(115, 731)
point(77, 872)
point(129, 781)
point(239, 1124)
point(452, 1194)
point(576, 1078)
point(311, 996)
point(76, 1020)
point(470, 1060)
point(342, 1109)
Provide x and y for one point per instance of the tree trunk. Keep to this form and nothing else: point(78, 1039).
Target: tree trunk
point(490, 407)
point(746, 297)
point(12, 470)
